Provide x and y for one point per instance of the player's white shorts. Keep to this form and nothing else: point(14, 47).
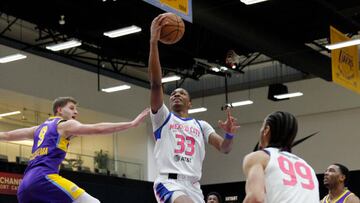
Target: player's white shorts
point(167, 189)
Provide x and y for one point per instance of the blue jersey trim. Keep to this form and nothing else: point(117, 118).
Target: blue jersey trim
point(202, 132)
point(157, 133)
point(184, 119)
point(163, 193)
point(267, 152)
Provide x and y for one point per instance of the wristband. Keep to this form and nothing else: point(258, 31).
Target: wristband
point(229, 136)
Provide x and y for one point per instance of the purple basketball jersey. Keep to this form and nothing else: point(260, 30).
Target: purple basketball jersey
point(49, 148)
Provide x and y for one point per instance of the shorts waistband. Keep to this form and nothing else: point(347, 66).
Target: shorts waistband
point(176, 176)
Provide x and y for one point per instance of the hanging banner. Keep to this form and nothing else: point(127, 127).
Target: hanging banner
point(345, 62)
point(182, 8)
point(9, 183)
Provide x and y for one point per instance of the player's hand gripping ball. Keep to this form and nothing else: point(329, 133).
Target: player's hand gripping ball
point(173, 30)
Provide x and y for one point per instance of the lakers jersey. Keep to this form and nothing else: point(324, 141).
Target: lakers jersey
point(49, 148)
point(180, 143)
point(341, 199)
point(289, 179)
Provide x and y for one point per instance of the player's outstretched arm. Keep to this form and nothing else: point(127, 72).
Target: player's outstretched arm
point(19, 134)
point(229, 126)
point(254, 166)
point(73, 127)
point(155, 72)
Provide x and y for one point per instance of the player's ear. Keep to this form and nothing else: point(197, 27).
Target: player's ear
point(342, 178)
point(58, 110)
point(267, 131)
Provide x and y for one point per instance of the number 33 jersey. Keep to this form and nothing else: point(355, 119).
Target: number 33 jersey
point(180, 143)
point(289, 179)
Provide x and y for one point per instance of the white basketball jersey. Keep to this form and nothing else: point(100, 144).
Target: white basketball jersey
point(180, 143)
point(289, 179)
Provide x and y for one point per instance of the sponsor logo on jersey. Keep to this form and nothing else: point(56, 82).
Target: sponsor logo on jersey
point(178, 158)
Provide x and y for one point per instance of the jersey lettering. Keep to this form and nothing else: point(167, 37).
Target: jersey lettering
point(189, 149)
point(293, 170)
point(42, 135)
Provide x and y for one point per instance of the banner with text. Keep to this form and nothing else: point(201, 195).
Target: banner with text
point(182, 8)
point(345, 62)
point(9, 183)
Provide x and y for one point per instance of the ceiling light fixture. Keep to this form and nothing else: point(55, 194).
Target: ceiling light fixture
point(10, 113)
point(248, 2)
point(288, 95)
point(12, 57)
point(64, 45)
point(197, 110)
point(123, 31)
point(343, 44)
point(241, 103)
point(62, 20)
point(116, 88)
point(223, 68)
point(215, 69)
point(170, 78)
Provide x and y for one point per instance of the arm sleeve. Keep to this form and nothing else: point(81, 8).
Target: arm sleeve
point(158, 118)
point(207, 129)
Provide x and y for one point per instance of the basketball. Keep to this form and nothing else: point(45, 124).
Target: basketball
point(173, 31)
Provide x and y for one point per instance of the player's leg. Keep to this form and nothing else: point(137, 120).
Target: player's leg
point(23, 194)
point(190, 193)
point(177, 191)
point(193, 192)
point(180, 197)
point(86, 198)
point(23, 197)
point(59, 188)
point(51, 187)
point(170, 191)
point(163, 191)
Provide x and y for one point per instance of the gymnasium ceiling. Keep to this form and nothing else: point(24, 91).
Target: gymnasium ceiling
point(285, 34)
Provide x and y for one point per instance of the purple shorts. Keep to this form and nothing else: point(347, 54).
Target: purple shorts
point(51, 188)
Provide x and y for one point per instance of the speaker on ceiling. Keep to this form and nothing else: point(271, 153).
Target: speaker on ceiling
point(277, 89)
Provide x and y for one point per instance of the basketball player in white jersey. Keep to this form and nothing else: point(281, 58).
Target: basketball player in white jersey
point(273, 173)
point(180, 140)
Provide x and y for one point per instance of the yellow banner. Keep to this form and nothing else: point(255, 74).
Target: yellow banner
point(179, 5)
point(345, 62)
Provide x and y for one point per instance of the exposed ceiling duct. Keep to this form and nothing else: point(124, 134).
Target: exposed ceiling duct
point(281, 30)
